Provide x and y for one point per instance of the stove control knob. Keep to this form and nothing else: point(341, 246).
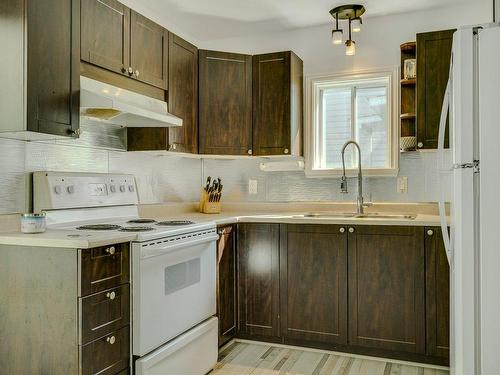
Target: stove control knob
point(131, 188)
point(58, 189)
point(122, 188)
point(112, 188)
point(70, 189)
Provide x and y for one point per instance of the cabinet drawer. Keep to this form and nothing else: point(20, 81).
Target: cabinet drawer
point(108, 355)
point(104, 312)
point(104, 268)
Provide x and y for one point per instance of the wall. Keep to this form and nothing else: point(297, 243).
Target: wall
point(163, 178)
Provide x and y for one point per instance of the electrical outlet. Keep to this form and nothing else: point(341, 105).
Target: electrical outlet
point(403, 185)
point(252, 187)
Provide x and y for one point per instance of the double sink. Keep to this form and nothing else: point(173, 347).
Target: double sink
point(353, 215)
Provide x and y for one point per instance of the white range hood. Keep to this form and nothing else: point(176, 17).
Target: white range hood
point(111, 104)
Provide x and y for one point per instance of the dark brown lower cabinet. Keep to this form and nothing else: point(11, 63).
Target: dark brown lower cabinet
point(313, 272)
point(387, 288)
point(258, 277)
point(227, 308)
point(437, 289)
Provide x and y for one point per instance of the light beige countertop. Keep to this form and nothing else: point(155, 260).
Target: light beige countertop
point(426, 215)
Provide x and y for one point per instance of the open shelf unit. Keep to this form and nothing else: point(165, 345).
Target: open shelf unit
point(408, 90)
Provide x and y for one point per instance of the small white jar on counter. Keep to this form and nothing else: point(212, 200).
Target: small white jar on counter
point(33, 223)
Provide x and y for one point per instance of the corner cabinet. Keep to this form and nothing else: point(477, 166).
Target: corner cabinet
point(313, 282)
point(225, 99)
point(258, 281)
point(183, 94)
point(437, 290)
point(227, 294)
point(386, 288)
point(277, 104)
point(40, 68)
point(433, 70)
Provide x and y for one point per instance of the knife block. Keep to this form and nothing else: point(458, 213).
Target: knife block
point(207, 207)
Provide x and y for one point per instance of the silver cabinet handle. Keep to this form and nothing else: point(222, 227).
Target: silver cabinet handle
point(111, 250)
point(111, 295)
point(420, 145)
point(286, 151)
point(430, 232)
point(342, 230)
point(111, 340)
point(351, 230)
point(137, 73)
point(250, 152)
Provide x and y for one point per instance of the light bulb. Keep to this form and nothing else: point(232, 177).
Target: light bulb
point(337, 36)
point(356, 25)
point(350, 48)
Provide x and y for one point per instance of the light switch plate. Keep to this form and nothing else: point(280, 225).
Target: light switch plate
point(402, 185)
point(252, 187)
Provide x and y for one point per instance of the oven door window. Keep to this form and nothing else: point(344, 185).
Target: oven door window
point(182, 275)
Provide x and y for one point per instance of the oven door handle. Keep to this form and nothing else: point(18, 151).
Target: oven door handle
point(161, 249)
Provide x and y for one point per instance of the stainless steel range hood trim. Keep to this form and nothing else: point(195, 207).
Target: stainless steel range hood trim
point(114, 105)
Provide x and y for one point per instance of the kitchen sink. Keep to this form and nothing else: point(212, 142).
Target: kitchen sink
point(353, 215)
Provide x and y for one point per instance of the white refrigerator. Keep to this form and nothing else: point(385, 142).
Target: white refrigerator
point(473, 245)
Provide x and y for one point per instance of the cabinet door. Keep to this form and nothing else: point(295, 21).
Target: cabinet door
point(386, 288)
point(437, 289)
point(226, 284)
point(271, 103)
point(105, 34)
point(313, 288)
point(183, 94)
point(433, 69)
point(225, 103)
point(148, 51)
point(258, 281)
point(53, 71)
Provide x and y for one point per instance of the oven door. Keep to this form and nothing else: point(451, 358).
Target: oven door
point(173, 287)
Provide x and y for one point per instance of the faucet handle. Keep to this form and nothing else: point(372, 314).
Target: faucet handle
point(343, 185)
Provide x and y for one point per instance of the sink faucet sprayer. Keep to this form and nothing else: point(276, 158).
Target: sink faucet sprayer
point(343, 182)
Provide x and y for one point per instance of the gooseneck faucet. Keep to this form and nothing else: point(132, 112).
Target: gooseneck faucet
point(343, 183)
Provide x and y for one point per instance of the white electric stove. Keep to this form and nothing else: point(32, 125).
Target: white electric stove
point(173, 267)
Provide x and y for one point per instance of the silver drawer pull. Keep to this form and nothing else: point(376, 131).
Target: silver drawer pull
point(430, 232)
point(351, 230)
point(111, 250)
point(111, 295)
point(342, 230)
point(111, 340)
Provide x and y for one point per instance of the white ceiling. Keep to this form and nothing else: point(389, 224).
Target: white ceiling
point(214, 19)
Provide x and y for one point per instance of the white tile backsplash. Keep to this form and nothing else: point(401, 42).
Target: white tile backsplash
point(170, 178)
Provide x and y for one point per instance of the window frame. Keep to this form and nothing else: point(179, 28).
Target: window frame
point(313, 84)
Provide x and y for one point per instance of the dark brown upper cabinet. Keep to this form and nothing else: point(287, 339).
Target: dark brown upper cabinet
point(105, 30)
point(124, 42)
point(313, 284)
point(277, 104)
point(437, 291)
point(42, 37)
point(386, 288)
point(433, 69)
point(148, 51)
point(225, 99)
point(183, 94)
point(227, 307)
point(258, 281)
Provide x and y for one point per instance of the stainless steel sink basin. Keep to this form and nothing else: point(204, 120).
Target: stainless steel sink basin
point(368, 215)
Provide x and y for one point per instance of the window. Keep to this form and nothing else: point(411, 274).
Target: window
point(358, 107)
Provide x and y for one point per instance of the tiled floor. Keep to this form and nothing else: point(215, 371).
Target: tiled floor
point(242, 358)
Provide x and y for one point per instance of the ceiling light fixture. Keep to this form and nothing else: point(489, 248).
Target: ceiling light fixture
point(352, 13)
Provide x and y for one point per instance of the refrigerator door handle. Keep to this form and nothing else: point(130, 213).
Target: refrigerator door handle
point(440, 159)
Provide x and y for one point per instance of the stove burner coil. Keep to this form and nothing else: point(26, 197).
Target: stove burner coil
point(99, 227)
point(175, 222)
point(136, 229)
point(141, 221)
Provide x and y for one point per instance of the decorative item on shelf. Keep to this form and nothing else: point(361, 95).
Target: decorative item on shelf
point(353, 14)
point(410, 69)
point(407, 143)
point(33, 223)
point(211, 196)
